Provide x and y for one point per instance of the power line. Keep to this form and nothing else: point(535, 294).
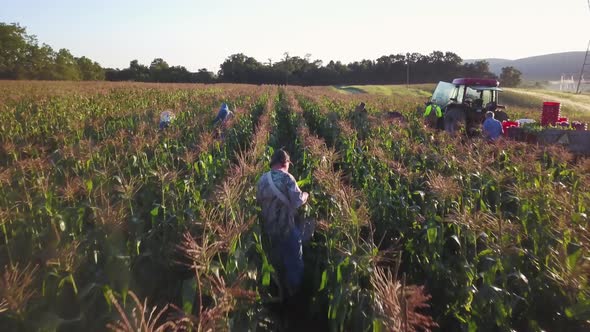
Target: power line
point(586, 63)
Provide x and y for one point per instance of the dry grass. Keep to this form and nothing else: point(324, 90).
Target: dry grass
point(215, 317)
point(478, 222)
point(17, 288)
point(33, 165)
point(189, 156)
point(570, 276)
point(206, 139)
point(9, 148)
point(127, 186)
point(165, 175)
point(113, 216)
point(5, 215)
point(141, 320)
point(399, 304)
point(442, 186)
point(583, 166)
point(3, 305)
point(559, 153)
point(200, 250)
point(6, 175)
point(72, 190)
point(67, 258)
point(376, 151)
point(346, 129)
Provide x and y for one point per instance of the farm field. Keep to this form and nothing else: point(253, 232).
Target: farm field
point(522, 102)
point(102, 214)
point(574, 105)
point(415, 90)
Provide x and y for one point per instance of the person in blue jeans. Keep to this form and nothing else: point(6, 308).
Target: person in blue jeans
point(492, 128)
point(280, 197)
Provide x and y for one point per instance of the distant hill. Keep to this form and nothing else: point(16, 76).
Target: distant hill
point(548, 67)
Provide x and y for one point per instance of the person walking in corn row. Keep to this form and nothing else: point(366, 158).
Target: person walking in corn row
point(359, 119)
point(280, 197)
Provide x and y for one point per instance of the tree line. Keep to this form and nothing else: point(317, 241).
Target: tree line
point(159, 71)
point(388, 69)
point(295, 70)
point(21, 57)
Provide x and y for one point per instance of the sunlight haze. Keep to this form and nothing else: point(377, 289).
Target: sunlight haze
point(201, 34)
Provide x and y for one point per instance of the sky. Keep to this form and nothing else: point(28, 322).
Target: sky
point(202, 34)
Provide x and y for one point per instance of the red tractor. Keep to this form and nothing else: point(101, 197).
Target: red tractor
point(466, 100)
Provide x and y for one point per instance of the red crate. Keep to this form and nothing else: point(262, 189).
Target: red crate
point(551, 113)
point(508, 124)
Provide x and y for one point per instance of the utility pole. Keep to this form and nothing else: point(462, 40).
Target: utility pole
point(586, 63)
point(581, 79)
point(286, 54)
point(407, 74)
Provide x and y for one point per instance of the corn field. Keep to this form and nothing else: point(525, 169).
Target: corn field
point(108, 223)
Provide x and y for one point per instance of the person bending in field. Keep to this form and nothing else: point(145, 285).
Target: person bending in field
point(221, 120)
point(166, 118)
point(360, 108)
point(280, 197)
point(492, 128)
point(223, 114)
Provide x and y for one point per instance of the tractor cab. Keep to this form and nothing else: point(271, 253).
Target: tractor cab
point(479, 92)
point(466, 100)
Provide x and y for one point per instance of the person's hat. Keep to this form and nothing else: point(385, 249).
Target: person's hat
point(166, 116)
point(280, 157)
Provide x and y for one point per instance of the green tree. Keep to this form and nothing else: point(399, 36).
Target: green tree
point(141, 73)
point(203, 76)
point(13, 49)
point(478, 69)
point(159, 70)
point(41, 63)
point(240, 68)
point(21, 57)
point(89, 70)
point(510, 77)
point(177, 74)
point(66, 66)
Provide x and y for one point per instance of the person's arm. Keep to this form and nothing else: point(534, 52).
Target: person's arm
point(296, 196)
